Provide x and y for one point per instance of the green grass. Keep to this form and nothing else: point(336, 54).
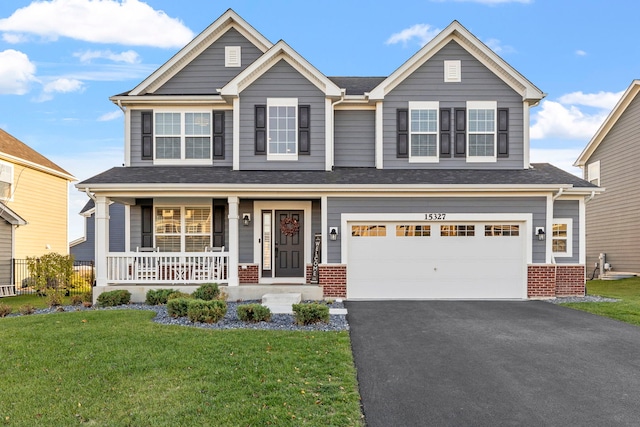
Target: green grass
point(626, 290)
point(35, 300)
point(118, 368)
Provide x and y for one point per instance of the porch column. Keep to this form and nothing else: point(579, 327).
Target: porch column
point(101, 239)
point(234, 241)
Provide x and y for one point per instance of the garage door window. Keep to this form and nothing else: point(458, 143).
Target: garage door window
point(457, 230)
point(413, 230)
point(368, 230)
point(501, 230)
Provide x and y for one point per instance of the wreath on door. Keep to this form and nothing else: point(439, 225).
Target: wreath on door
point(289, 226)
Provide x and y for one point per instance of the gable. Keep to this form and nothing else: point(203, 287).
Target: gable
point(207, 73)
point(14, 150)
point(282, 80)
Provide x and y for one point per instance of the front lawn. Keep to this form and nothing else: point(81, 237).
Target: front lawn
point(32, 299)
point(626, 290)
point(119, 368)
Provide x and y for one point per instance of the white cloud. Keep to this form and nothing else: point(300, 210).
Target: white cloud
point(581, 52)
point(129, 56)
point(113, 115)
point(422, 32)
point(17, 72)
point(14, 38)
point(606, 100)
point(127, 22)
point(63, 85)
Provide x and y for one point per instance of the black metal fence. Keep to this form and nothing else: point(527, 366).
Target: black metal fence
point(81, 281)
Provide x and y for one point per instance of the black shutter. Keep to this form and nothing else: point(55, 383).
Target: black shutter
point(146, 206)
point(218, 134)
point(460, 132)
point(147, 135)
point(304, 127)
point(261, 129)
point(402, 128)
point(218, 224)
point(445, 132)
point(503, 132)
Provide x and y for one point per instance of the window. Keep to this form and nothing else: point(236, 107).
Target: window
point(562, 232)
point(452, 71)
point(183, 136)
point(183, 229)
point(232, 56)
point(501, 230)
point(282, 129)
point(368, 230)
point(481, 131)
point(413, 230)
point(423, 127)
point(6, 180)
point(457, 230)
point(593, 173)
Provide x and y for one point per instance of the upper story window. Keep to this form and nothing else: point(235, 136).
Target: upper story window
point(593, 173)
point(481, 131)
point(282, 129)
point(562, 237)
point(423, 129)
point(6, 180)
point(183, 137)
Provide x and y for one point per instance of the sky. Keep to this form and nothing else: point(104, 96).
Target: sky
point(60, 60)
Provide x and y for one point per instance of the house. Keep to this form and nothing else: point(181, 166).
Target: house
point(608, 160)
point(83, 248)
point(413, 185)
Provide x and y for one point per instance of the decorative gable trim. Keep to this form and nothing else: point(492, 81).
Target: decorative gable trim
point(10, 216)
point(213, 32)
point(456, 32)
point(280, 51)
point(624, 102)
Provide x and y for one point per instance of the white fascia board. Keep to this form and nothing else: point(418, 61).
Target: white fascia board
point(279, 51)
point(36, 166)
point(10, 216)
point(455, 31)
point(612, 118)
point(202, 41)
point(132, 101)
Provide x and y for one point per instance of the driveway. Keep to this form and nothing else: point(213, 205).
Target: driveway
point(491, 363)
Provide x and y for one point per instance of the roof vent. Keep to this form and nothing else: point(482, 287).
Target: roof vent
point(452, 71)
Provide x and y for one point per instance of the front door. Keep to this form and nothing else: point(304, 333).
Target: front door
point(289, 246)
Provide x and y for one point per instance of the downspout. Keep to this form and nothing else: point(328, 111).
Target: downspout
point(588, 199)
point(343, 93)
point(124, 110)
point(559, 193)
point(91, 196)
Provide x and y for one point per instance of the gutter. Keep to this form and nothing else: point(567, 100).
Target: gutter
point(559, 193)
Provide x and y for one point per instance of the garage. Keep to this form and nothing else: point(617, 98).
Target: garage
point(436, 260)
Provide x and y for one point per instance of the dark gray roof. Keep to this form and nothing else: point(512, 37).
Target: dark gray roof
point(539, 174)
point(90, 205)
point(357, 85)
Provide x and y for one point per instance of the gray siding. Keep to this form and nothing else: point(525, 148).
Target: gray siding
point(569, 209)
point(282, 81)
point(338, 206)
point(85, 251)
point(246, 233)
point(611, 215)
point(355, 138)
point(5, 252)
point(207, 73)
point(135, 225)
point(478, 84)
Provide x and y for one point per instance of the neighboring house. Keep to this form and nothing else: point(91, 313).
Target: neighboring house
point(414, 185)
point(83, 248)
point(9, 222)
point(37, 190)
point(609, 160)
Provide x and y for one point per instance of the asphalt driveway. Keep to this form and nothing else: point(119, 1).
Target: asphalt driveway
point(490, 363)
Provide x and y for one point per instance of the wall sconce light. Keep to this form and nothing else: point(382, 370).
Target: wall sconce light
point(333, 233)
point(246, 219)
point(540, 233)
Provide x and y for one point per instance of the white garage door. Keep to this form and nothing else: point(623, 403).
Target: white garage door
point(462, 260)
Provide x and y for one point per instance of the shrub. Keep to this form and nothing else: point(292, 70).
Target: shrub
point(113, 298)
point(178, 294)
point(5, 310)
point(54, 297)
point(206, 311)
point(51, 270)
point(306, 314)
point(76, 300)
point(207, 292)
point(254, 313)
point(87, 296)
point(178, 307)
point(27, 309)
point(158, 296)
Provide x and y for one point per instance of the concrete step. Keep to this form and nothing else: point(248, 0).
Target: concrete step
point(281, 303)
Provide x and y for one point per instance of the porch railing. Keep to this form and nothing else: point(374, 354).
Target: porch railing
point(167, 267)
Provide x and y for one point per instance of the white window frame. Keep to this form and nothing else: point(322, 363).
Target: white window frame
point(183, 224)
point(593, 172)
point(282, 102)
point(452, 71)
point(9, 180)
point(482, 105)
point(232, 56)
point(424, 105)
point(569, 223)
point(183, 160)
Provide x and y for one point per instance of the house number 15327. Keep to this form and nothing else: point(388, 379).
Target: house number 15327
point(435, 216)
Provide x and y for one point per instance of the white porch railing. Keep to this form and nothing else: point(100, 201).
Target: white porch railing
point(167, 267)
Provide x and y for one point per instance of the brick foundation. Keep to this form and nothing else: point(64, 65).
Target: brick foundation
point(550, 281)
point(248, 274)
point(332, 278)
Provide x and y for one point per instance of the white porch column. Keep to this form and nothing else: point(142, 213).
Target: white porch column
point(101, 239)
point(234, 241)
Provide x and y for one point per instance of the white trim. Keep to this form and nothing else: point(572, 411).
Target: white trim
point(482, 105)
point(425, 105)
point(329, 132)
point(282, 102)
point(10, 180)
point(36, 166)
point(127, 137)
point(183, 136)
point(593, 172)
point(127, 228)
point(234, 241)
point(548, 247)
point(236, 134)
point(258, 207)
point(379, 135)
point(101, 239)
point(324, 228)
point(526, 118)
point(582, 232)
point(569, 223)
